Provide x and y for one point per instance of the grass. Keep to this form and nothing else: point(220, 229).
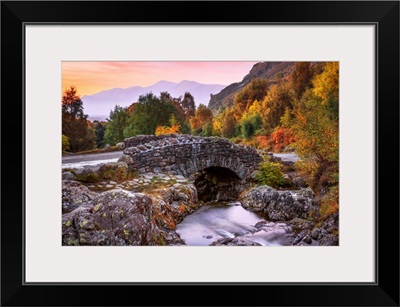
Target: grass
point(93, 151)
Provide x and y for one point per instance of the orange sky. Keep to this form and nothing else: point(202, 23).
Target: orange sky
point(93, 77)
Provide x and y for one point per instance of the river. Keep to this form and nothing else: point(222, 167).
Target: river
point(228, 220)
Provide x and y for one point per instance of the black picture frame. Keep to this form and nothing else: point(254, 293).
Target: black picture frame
point(383, 14)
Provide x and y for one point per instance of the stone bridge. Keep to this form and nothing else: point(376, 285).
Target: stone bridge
point(219, 168)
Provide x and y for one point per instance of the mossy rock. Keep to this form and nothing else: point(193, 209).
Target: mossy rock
point(88, 176)
point(117, 171)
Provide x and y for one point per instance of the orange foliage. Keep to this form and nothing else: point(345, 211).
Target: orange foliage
point(260, 141)
point(168, 130)
point(280, 138)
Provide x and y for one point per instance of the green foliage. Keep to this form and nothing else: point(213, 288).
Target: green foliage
point(207, 130)
point(65, 143)
point(100, 129)
point(117, 122)
point(150, 112)
point(249, 125)
point(270, 173)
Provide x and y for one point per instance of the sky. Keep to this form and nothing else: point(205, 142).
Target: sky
point(92, 77)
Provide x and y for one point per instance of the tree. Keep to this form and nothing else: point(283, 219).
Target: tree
point(152, 111)
point(74, 121)
point(228, 128)
point(301, 78)
point(188, 105)
point(326, 87)
point(202, 116)
point(65, 143)
point(255, 90)
point(314, 122)
point(278, 99)
point(117, 122)
point(100, 129)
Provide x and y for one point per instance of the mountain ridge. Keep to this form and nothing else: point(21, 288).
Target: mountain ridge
point(274, 72)
point(99, 105)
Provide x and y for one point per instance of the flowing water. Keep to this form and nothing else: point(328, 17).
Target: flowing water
point(221, 220)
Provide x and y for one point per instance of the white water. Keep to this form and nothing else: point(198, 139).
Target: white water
point(214, 221)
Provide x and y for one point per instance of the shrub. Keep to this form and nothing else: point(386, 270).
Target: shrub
point(330, 202)
point(65, 143)
point(270, 173)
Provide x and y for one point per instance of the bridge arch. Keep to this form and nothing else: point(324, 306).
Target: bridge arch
point(191, 156)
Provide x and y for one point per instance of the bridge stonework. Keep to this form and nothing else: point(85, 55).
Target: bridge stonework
point(188, 155)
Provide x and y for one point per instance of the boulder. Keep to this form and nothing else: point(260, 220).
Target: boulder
point(279, 205)
point(74, 194)
point(126, 159)
point(68, 176)
point(234, 242)
point(120, 146)
point(299, 182)
point(112, 218)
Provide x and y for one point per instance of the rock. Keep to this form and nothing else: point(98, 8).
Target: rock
point(107, 146)
point(117, 171)
point(126, 159)
point(299, 182)
point(315, 233)
point(74, 194)
point(329, 240)
point(68, 176)
point(234, 242)
point(298, 224)
point(278, 205)
point(307, 239)
point(120, 145)
point(300, 237)
point(112, 218)
point(88, 175)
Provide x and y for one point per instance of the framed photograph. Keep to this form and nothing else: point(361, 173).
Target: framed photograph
point(240, 153)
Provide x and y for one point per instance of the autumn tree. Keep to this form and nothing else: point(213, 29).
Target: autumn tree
point(315, 125)
point(326, 87)
point(255, 90)
point(278, 99)
point(173, 128)
point(75, 123)
point(228, 126)
point(301, 78)
point(202, 116)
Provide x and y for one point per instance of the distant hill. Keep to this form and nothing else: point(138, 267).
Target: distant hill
point(272, 71)
point(98, 105)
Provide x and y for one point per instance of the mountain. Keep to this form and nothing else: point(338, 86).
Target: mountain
point(98, 105)
point(272, 71)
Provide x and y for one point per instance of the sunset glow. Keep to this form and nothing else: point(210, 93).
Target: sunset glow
point(93, 77)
